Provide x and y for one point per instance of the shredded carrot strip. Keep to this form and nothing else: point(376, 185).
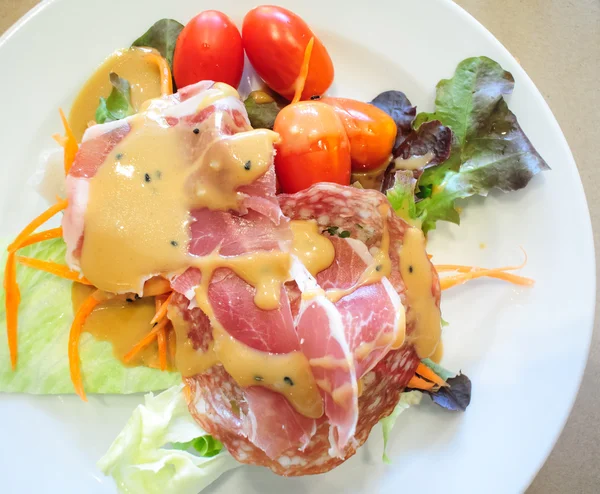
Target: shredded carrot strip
point(417, 383)
point(162, 337)
point(473, 272)
point(41, 236)
point(427, 373)
point(162, 348)
point(53, 268)
point(459, 279)
point(162, 311)
point(36, 222)
point(156, 286)
point(145, 341)
point(12, 301)
point(301, 81)
point(69, 143)
point(82, 313)
point(166, 82)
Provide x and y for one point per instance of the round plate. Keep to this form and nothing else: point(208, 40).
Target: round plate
point(524, 348)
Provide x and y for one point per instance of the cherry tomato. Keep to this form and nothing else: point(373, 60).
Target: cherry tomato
point(313, 147)
point(371, 131)
point(275, 39)
point(209, 48)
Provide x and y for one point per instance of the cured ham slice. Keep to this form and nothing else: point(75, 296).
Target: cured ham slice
point(349, 341)
point(224, 116)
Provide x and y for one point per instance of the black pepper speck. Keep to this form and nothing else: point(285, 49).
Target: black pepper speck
point(119, 156)
point(410, 269)
point(288, 380)
point(248, 165)
point(174, 243)
point(196, 131)
point(147, 177)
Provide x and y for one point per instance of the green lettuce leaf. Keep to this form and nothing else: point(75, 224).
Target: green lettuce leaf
point(118, 104)
point(263, 115)
point(45, 317)
point(161, 36)
point(407, 400)
point(402, 195)
point(490, 150)
point(142, 458)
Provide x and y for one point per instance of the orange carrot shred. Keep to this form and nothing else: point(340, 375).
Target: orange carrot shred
point(82, 313)
point(417, 383)
point(301, 81)
point(41, 236)
point(473, 272)
point(459, 279)
point(70, 143)
point(37, 222)
point(53, 268)
point(12, 301)
point(162, 311)
point(162, 348)
point(166, 81)
point(428, 374)
point(145, 341)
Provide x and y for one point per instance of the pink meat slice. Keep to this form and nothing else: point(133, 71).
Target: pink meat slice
point(353, 333)
point(225, 117)
point(385, 372)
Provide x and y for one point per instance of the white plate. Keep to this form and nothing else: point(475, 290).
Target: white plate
point(524, 349)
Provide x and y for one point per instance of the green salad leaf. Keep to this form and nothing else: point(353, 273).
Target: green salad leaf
point(45, 317)
point(490, 150)
point(402, 195)
point(162, 36)
point(407, 399)
point(118, 104)
point(147, 455)
point(262, 115)
point(206, 446)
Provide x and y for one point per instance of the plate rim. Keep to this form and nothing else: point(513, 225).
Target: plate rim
point(586, 235)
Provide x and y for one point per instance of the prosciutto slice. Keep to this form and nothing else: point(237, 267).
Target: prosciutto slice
point(345, 340)
point(225, 116)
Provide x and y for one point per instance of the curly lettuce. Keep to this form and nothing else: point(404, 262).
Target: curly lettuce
point(490, 150)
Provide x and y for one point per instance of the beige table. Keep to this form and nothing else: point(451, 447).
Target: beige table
point(558, 44)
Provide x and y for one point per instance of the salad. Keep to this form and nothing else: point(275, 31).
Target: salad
point(253, 248)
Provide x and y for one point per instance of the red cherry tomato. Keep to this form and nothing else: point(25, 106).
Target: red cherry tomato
point(371, 131)
point(275, 40)
point(314, 146)
point(209, 48)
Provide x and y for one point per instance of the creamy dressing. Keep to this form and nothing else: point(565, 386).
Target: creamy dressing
point(132, 64)
point(414, 162)
point(424, 313)
point(121, 323)
point(313, 249)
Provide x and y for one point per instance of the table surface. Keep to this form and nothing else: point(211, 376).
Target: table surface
point(558, 43)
